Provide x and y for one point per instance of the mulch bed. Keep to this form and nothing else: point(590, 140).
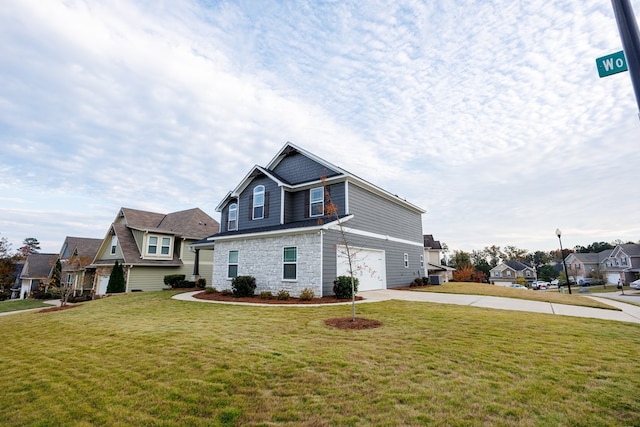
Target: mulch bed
point(349, 323)
point(64, 307)
point(217, 296)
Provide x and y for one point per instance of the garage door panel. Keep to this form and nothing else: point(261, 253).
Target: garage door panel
point(368, 266)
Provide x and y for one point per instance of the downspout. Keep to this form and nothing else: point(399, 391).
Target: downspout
point(321, 262)
point(126, 290)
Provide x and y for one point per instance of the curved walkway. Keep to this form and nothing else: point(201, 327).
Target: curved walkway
point(629, 313)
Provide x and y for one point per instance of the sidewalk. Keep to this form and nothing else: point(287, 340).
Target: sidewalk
point(630, 313)
point(54, 302)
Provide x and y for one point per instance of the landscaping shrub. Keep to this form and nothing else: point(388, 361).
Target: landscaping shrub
point(201, 283)
point(226, 292)
point(174, 280)
point(342, 287)
point(266, 295)
point(209, 290)
point(307, 294)
point(42, 295)
point(79, 298)
point(417, 282)
point(243, 286)
point(283, 295)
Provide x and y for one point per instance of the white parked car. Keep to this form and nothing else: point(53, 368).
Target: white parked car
point(539, 284)
point(515, 285)
point(635, 284)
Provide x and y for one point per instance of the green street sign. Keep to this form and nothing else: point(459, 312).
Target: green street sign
point(611, 64)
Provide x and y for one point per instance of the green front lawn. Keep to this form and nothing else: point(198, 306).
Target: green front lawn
point(21, 304)
point(144, 359)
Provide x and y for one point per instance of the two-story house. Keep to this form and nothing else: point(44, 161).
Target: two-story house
point(152, 245)
point(279, 225)
point(623, 262)
point(76, 254)
point(508, 272)
point(433, 255)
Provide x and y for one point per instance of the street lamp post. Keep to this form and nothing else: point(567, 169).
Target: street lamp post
point(566, 272)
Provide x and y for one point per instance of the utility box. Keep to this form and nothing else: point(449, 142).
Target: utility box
point(435, 280)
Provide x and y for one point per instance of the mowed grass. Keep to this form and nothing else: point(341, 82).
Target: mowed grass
point(550, 295)
point(145, 359)
point(21, 304)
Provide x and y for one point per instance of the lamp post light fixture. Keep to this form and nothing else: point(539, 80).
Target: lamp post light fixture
point(566, 272)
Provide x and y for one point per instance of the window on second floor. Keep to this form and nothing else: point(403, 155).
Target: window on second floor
point(316, 201)
point(508, 273)
point(164, 244)
point(623, 260)
point(528, 273)
point(496, 274)
point(232, 223)
point(406, 260)
point(114, 244)
point(258, 202)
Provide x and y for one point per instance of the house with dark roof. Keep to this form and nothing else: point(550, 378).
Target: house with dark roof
point(432, 256)
point(35, 272)
point(508, 272)
point(76, 254)
point(286, 224)
point(620, 263)
point(152, 245)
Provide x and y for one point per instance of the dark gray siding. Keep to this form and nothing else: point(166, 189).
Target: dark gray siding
point(298, 207)
point(396, 274)
point(378, 215)
point(297, 168)
point(246, 202)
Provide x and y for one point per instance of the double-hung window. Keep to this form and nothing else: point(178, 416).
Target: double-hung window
point(114, 244)
point(163, 242)
point(406, 260)
point(165, 246)
point(258, 202)
point(233, 217)
point(290, 263)
point(316, 201)
point(232, 265)
point(152, 248)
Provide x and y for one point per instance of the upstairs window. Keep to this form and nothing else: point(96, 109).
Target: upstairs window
point(623, 260)
point(233, 217)
point(421, 261)
point(152, 248)
point(114, 244)
point(406, 260)
point(166, 246)
point(508, 273)
point(258, 202)
point(316, 201)
point(496, 274)
point(528, 273)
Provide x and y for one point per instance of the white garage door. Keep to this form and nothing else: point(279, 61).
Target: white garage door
point(613, 278)
point(368, 267)
point(102, 287)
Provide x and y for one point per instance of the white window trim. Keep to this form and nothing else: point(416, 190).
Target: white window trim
point(289, 263)
point(229, 263)
point(159, 246)
point(229, 218)
point(255, 193)
point(314, 212)
point(114, 244)
point(406, 260)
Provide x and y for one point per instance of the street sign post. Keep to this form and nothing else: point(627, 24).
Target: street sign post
point(611, 64)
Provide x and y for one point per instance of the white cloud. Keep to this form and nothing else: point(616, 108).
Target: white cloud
point(489, 115)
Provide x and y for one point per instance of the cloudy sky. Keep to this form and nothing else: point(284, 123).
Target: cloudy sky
point(488, 114)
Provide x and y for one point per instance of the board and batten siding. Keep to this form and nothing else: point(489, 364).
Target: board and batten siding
point(245, 205)
point(297, 168)
point(396, 273)
point(378, 215)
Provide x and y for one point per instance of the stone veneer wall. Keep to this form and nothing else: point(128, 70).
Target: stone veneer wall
point(262, 259)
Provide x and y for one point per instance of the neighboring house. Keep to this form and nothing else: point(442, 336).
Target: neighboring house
point(276, 226)
point(152, 245)
point(622, 263)
point(582, 265)
point(508, 272)
point(17, 284)
point(36, 271)
point(432, 256)
point(75, 256)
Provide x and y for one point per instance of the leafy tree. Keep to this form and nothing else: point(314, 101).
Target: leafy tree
point(482, 267)
point(511, 253)
point(116, 279)
point(30, 245)
point(5, 247)
point(547, 273)
point(464, 274)
point(461, 260)
point(493, 254)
